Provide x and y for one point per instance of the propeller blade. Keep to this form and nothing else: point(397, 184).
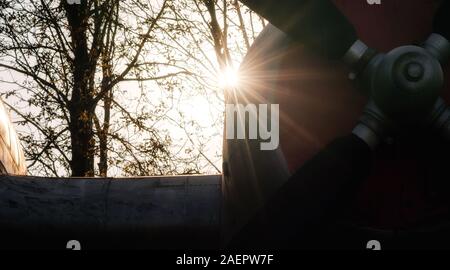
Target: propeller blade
point(441, 22)
point(440, 119)
point(311, 198)
point(317, 24)
point(438, 44)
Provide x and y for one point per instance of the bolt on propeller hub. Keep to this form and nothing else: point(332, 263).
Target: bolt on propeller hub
point(414, 71)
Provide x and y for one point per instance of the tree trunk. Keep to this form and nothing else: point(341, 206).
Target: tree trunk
point(81, 104)
point(103, 136)
point(217, 34)
point(242, 24)
point(82, 140)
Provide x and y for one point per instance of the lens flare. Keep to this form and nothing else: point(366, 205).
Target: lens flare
point(229, 78)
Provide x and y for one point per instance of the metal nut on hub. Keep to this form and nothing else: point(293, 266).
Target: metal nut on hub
point(414, 71)
point(406, 83)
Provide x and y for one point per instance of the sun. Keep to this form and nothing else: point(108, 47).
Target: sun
point(229, 78)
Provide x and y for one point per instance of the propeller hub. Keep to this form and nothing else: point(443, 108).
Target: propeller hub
point(405, 83)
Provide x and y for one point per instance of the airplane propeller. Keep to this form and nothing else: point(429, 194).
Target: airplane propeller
point(317, 24)
point(403, 87)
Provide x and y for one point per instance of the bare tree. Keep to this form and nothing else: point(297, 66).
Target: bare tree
point(60, 48)
point(98, 85)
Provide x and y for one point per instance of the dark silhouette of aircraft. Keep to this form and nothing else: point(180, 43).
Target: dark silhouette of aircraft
point(363, 155)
